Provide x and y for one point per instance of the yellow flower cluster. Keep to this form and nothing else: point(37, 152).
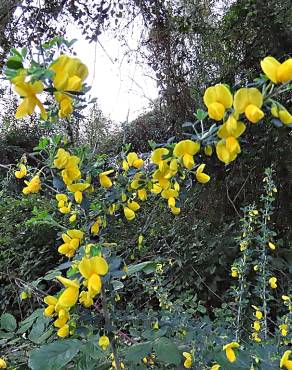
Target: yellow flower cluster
point(70, 73)
point(222, 105)
point(257, 324)
point(60, 307)
point(71, 241)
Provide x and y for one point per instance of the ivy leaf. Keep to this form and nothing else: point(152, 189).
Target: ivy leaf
point(55, 355)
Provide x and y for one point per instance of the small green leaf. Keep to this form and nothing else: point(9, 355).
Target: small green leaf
point(14, 63)
point(8, 322)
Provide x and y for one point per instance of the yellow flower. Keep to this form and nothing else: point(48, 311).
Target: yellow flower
point(258, 313)
point(3, 364)
point(51, 301)
point(158, 154)
point(234, 272)
point(273, 282)
point(63, 316)
point(132, 161)
point(217, 99)
point(277, 72)
point(91, 269)
point(208, 150)
point(284, 329)
point(134, 206)
point(78, 196)
point(285, 360)
point(129, 214)
point(202, 177)
point(257, 325)
point(71, 171)
point(69, 76)
point(78, 187)
point(142, 194)
point(185, 150)
point(231, 127)
point(256, 337)
point(228, 149)
point(249, 101)
point(281, 113)
point(230, 354)
point(21, 172)
point(122, 366)
point(95, 226)
point(188, 360)
point(29, 91)
point(33, 186)
point(215, 367)
point(104, 342)
point(104, 180)
point(69, 297)
point(63, 332)
point(272, 246)
point(73, 217)
point(71, 242)
point(85, 299)
point(61, 158)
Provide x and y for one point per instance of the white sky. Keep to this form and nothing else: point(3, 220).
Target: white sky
point(122, 89)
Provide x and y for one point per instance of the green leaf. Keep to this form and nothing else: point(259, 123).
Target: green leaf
point(138, 351)
point(201, 114)
point(147, 267)
point(14, 62)
point(55, 355)
point(8, 322)
point(167, 351)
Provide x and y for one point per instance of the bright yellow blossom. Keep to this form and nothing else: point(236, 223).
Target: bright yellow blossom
point(285, 362)
point(91, 269)
point(21, 172)
point(104, 179)
point(272, 246)
point(281, 113)
point(63, 332)
point(3, 364)
point(29, 91)
point(277, 72)
point(231, 127)
point(95, 226)
point(70, 295)
point(284, 329)
point(188, 360)
point(273, 282)
point(201, 176)
point(234, 272)
point(249, 101)
point(185, 150)
point(132, 160)
point(217, 99)
point(104, 342)
point(71, 242)
point(215, 367)
point(230, 354)
point(257, 325)
point(32, 186)
point(228, 149)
